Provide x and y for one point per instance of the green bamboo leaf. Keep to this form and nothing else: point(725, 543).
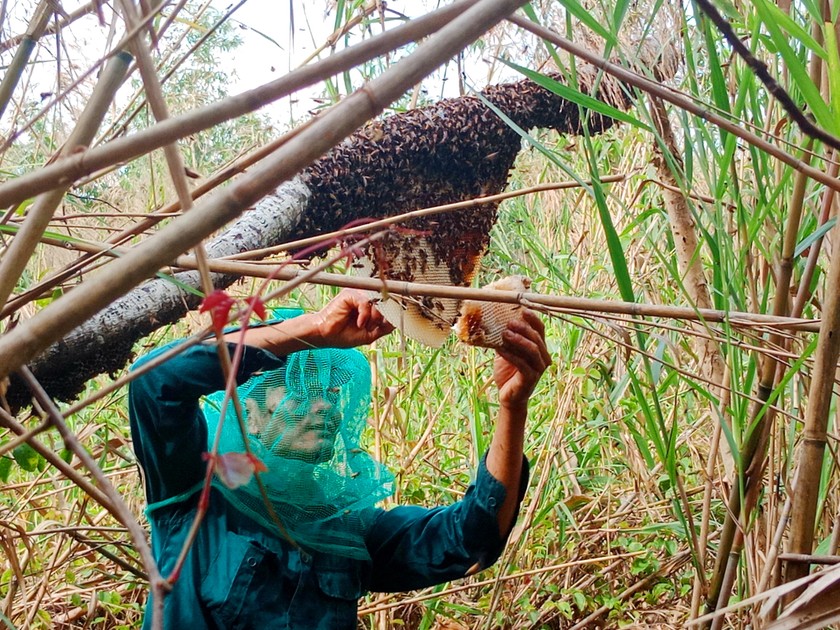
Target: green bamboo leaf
point(575, 9)
point(26, 457)
point(806, 242)
point(616, 251)
point(795, 30)
point(798, 72)
point(5, 468)
point(578, 97)
point(833, 68)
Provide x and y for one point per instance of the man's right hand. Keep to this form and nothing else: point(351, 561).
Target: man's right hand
point(350, 319)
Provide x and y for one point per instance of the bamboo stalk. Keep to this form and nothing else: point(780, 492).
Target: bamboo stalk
point(17, 255)
point(37, 25)
point(655, 89)
point(689, 262)
point(142, 142)
point(812, 447)
point(49, 325)
point(416, 289)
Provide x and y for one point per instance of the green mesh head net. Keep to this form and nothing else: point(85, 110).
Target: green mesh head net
point(304, 422)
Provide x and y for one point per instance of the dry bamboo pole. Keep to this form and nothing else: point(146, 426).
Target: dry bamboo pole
point(37, 25)
point(689, 261)
point(812, 446)
point(49, 325)
point(415, 289)
point(655, 89)
point(17, 255)
point(142, 142)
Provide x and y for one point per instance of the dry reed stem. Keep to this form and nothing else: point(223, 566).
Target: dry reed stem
point(475, 203)
point(809, 457)
point(142, 142)
point(577, 304)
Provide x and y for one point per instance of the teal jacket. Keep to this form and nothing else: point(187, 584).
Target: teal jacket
point(238, 574)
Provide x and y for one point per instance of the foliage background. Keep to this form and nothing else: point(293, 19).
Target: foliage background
point(625, 504)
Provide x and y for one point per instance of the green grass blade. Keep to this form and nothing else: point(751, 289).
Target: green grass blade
point(578, 97)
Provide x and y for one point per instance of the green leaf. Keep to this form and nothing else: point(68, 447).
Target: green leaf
point(806, 242)
point(574, 7)
point(5, 468)
point(578, 97)
point(833, 68)
point(66, 454)
point(796, 31)
point(798, 72)
point(26, 457)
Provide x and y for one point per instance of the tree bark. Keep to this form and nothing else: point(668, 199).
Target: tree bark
point(450, 151)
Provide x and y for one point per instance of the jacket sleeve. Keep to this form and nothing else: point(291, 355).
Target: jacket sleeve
point(414, 547)
point(167, 425)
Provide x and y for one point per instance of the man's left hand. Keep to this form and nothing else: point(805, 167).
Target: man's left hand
point(521, 360)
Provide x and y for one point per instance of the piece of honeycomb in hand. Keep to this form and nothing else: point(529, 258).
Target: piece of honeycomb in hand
point(482, 323)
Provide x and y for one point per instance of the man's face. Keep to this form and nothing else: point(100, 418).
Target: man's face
point(309, 430)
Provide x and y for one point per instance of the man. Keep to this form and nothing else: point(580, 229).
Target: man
point(300, 549)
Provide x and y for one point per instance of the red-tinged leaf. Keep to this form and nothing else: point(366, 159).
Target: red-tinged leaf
point(219, 304)
point(257, 305)
point(257, 463)
point(235, 469)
